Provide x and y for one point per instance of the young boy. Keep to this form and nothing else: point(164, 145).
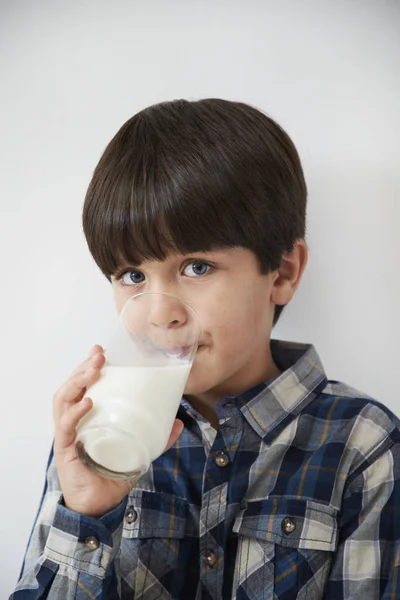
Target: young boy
point(277, 483)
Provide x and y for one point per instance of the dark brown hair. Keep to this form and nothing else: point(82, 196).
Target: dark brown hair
point(195, 176)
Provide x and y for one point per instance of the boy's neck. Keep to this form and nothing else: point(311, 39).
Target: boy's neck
point(263, 369)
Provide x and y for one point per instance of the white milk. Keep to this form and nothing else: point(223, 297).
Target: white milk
point(132, 416)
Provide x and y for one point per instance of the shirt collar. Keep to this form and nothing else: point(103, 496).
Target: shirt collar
point(270, 406)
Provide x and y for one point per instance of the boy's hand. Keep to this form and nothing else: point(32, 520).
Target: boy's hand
point(84, 491)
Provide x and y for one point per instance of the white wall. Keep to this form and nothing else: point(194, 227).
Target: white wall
point(72, 72)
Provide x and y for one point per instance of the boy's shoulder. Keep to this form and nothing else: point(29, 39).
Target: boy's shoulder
point(362, 423)
point(343, 390)
point(358, 402)
point(304, 381)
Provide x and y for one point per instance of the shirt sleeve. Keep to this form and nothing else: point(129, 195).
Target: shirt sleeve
point(70, 556)
point(367, 561)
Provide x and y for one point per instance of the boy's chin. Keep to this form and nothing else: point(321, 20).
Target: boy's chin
point(192, 389)
point(196, 385)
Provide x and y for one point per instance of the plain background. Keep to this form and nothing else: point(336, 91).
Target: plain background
point(72, 72)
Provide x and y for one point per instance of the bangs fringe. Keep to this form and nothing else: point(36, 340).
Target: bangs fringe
point(146, 216)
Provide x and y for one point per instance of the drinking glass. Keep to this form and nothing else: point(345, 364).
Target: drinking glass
point(135, 401)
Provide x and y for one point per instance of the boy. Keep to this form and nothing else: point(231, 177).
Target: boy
point(276, 483)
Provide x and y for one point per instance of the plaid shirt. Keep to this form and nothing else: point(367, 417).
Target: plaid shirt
point(296, 496)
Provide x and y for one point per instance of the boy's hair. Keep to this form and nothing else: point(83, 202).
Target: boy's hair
point(195, 176)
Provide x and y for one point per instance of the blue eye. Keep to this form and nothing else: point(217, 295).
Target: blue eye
point(197, 268)
point(132, 278)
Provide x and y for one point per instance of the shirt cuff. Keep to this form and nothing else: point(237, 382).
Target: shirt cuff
point(84, 543)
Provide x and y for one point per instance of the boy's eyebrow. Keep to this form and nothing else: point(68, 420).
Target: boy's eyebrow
point(124, 266)
point(137, 265)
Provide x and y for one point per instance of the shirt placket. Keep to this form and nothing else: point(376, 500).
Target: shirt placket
point(217, 473)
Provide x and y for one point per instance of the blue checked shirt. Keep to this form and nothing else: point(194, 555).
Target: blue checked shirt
point(296, 496)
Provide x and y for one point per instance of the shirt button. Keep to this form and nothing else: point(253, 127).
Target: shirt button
point(222, 460)
point(229, 404)
point(288, 525)
point(210, 558)
point(92, 543)
point(130, 515)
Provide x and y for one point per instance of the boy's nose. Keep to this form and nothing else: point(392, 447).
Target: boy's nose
point(166, 312)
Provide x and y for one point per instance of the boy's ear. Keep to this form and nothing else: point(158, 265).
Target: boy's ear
point(287, 278)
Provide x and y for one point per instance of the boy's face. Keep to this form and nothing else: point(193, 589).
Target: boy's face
point(235, 303)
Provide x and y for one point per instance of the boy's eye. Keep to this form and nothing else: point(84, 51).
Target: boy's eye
point(197, 268)
point(132, 278)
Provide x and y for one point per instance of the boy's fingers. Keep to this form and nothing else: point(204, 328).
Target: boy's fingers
point(96, 349)
point(65, 432)
point(71, 391)
point(96, 358)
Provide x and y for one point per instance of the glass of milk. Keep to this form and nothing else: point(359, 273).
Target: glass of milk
point(135, 401)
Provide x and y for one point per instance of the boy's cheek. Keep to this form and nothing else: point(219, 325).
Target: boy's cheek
point(202, 375)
